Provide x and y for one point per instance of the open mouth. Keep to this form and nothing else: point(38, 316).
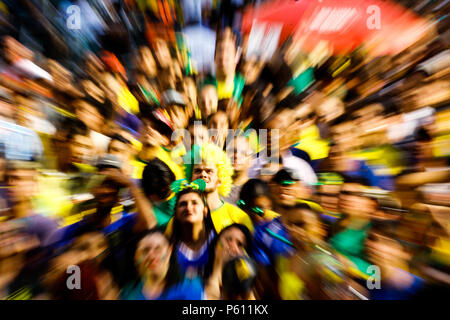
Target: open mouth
point(286, 196)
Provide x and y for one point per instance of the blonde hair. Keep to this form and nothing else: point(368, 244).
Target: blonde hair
point(211, 153)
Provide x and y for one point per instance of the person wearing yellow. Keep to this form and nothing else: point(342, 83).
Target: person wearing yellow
point(61, 189)
point(211, 164)
point(241, 157)
point(157, 143)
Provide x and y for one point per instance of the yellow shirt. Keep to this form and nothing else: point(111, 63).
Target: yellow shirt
point(270, 215)
point(311, 143)
point(127, 101)
point(166, 157)
point(228, 214)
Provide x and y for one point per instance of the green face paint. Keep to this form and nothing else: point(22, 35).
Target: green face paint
point(258, 211)
point(287, 182)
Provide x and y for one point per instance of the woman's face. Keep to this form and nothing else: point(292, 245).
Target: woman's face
point(232, 243)
point(262, 202)
point(190, 208)
point(90, 246)
point(153, 254)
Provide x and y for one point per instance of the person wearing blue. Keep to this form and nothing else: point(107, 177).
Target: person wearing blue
point(191, 229)
point(158, 273)
point(271, 235)
point(396, 282)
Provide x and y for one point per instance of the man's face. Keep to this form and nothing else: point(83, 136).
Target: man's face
point(90, 246)
point(208, 100)
point(120, 149)
point(89, 115)
point(384, 251)
point(147, 61)
point(295, 224)
point(106, 194)
point(178, 116)
point(22, 184)
point(329, 197)
point(151, 136)
point(276, 130)
point(162, 53)
point(220, 122)
point(225, 57)
point(286, 195)
point(241, 154)
point(199, 134)
point(353, 204)
point(209, 173)
point(80, 148)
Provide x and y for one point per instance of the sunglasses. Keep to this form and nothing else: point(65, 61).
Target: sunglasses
point(256, 210)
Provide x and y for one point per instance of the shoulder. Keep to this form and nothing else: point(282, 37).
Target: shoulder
point(188, 289)
point(132, 291)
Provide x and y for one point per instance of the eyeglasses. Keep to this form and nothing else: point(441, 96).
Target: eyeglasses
point(256, 210)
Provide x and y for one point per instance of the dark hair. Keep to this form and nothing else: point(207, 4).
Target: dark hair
point(233, 284)
point(422, 135)
point(384, 228)
point(306, 206)
point(174, 274)
point(212, 247)
point(194, 121)
point(104, 108)
point(253, 189)
point(157, 178)
point(176, 224)
point(146, 112)
point(2, 150)
point(76, 127)
point(212, 115)
point(359, 180)
point(118, 137)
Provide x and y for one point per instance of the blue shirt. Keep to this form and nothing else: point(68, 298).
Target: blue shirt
point(270, 240)
point(194, 261)
point(20, 143)
point(186, 290)
point(388, 292)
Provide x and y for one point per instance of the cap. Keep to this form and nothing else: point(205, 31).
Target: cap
point(170, 97)
point(238, 276)
point(108, 161)
point(286, 176)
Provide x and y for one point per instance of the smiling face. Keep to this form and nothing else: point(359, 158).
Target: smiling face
point(207, 172)
point(191, 209)
point(153, 255)
point(286, 195)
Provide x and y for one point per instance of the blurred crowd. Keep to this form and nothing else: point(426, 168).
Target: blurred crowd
point(150, 149)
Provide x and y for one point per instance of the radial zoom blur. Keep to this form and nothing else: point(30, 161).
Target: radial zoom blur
point(224, 149)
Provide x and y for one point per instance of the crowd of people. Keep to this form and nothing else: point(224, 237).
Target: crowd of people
point(148, 154)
